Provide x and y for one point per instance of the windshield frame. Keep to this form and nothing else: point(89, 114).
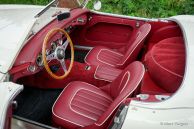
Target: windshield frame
point(54, 3)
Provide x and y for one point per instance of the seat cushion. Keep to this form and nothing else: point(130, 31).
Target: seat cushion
point(79, 105)
point(166, 63)
point(103, 56)
point(107, 73)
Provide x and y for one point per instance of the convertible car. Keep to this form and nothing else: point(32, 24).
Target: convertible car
point(63, 66)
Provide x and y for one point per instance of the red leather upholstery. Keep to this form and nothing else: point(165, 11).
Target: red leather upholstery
point(123, 87)
point(164, 33)
point(166, 63)
point(148, 86)
point(105, 56)
point(106, 73)
point(82, 104)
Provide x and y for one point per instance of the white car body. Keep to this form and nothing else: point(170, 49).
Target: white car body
point(14, 30)
point(177, 112)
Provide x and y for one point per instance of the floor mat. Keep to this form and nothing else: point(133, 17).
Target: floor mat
point(36, 104)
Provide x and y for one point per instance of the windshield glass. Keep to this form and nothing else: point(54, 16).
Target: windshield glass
point(67, 4)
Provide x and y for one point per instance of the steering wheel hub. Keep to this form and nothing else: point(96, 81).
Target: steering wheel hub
point(60, 53)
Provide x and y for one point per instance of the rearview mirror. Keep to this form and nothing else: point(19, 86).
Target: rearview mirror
point(97, 5)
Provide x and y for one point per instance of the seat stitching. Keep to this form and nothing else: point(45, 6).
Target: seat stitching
point(135, 47)
point(126, 81)
point(101, 78)
point(82, 108)
point(72, 100)
point(58, 115)
point(97, 108)
point(107, 56)
point(96, 92)
point(104, 61)
point(95, 101)
point(103, 97)
point(106, 106)
point(99, 124)
point(85, 59)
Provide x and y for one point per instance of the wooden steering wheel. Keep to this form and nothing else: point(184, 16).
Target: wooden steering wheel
point(58, 54)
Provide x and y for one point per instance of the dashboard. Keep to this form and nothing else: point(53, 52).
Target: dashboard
point(29, 60)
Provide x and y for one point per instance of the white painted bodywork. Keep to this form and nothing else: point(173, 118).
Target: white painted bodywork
point(14, 29)
point(17, 22)
point(177, 112)
point(8, 91)
point(2, 77)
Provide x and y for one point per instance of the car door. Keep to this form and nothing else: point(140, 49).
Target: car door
point(8, 91)
point(105, 30)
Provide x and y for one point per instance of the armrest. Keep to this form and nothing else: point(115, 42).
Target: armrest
point(106, 73)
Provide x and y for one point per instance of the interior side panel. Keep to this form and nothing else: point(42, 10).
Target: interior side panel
point(163, 33)
point(112, 32)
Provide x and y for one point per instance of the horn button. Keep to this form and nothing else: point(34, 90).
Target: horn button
point(60, 53)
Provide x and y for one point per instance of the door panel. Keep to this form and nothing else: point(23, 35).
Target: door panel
point(109, 31)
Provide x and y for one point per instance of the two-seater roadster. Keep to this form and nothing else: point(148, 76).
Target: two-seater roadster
point(63, 66)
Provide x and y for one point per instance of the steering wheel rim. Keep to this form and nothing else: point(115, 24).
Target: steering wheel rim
point(62, 61)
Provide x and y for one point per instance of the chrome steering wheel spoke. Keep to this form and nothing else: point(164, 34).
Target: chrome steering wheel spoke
point(50, 56)
point(63, 65)
point(57, 52)
point(65, 44)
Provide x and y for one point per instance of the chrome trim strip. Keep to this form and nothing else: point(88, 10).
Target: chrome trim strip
point(46, 8)
point(131, 17)
point(82, 47)
point(23, 123)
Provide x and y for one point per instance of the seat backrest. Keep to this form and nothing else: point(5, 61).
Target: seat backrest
point(122, 87)
point(128, 80)
point(135, 45)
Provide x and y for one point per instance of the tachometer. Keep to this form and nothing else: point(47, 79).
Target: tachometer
point(39, 60)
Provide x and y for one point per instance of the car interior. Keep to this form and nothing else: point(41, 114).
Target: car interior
point(116, 60)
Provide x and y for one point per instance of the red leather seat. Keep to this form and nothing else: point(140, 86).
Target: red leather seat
point(104, 56)
point(107, 73)
point(166, 63)
point(84, 105)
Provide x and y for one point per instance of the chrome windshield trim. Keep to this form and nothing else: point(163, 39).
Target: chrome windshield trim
point(46, 8)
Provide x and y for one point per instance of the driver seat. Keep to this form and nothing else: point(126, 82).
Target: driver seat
point(84, 105)
point(101, 55)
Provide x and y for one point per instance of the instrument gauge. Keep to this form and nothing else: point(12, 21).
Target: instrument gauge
point(39, 60)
